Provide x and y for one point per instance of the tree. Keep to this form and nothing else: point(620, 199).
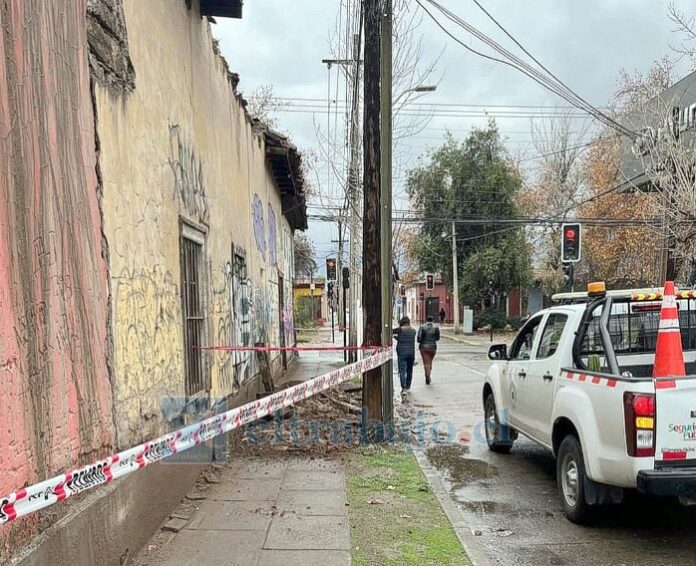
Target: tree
point(305, 264)
point(473, 179)
point(619, 254)
point(686, 27)
point(669, 159)
point(263, 104)
point(616, 254)
point(665, 150)
point(554, 193)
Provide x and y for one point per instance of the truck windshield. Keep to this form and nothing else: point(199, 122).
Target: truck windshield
point(633, 328)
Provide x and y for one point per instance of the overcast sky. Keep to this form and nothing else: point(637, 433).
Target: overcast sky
point(586, 44)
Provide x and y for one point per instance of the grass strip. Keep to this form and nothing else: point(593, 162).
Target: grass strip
point(394, 517)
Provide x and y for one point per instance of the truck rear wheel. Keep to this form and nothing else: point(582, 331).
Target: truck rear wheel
point(499, 436)
point(570, 472)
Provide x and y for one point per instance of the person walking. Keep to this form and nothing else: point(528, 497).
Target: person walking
point(443, 314)
point(405, 337)
point(428, 336)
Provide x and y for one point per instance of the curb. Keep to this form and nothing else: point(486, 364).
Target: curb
point(460, 340)
point(472, 546)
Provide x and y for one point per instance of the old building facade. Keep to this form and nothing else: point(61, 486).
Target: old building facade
point(195, 220)
point(144, 218)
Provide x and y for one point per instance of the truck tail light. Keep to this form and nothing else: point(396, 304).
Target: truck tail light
point(639, 414)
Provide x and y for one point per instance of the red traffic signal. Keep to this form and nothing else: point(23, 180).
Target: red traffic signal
point(429, 282)
point(571, 243)
point(331, 269)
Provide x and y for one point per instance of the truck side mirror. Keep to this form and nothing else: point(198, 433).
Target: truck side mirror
point(497, 352)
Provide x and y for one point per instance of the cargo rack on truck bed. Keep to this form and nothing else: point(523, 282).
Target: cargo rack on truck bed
point(622, 295)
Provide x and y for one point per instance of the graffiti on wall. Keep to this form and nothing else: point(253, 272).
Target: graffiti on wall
point(189, 184)
point(259, 225)
point(222, 314)
point(148, 347)
point(245, 366)
point(288, 268)
point(272, 237)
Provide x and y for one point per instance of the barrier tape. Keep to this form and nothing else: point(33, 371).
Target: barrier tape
point(51, 491)
point(288, 348)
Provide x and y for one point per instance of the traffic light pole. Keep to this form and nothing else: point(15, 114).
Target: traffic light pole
point(345, 334)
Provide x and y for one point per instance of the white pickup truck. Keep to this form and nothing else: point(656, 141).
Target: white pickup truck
point(577, 380)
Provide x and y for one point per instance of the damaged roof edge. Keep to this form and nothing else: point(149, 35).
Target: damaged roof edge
point(286, 165)
point(222, 8)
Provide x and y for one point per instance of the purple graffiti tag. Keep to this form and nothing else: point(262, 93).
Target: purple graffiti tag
point(259, 225)
point(272, 236)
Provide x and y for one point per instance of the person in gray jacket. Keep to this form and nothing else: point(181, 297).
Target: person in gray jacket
point(405, 337)
point(428, 336)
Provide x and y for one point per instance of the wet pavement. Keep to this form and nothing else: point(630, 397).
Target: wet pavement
point(510, 502)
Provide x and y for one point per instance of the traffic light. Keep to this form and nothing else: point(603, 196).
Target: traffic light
point(346, 278)
point(402, 290)
point(429, 282)
point(570, 243)
point(330, 290)
point(331, 269)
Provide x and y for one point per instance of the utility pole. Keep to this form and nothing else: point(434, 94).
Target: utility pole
point(386, 201)
point(354, 193)
point(339, 277)
point(372, 221)
point(455, 279)
point(339, 260)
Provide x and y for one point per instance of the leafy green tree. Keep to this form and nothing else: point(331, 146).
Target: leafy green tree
point(305, 264)
point(470, 180)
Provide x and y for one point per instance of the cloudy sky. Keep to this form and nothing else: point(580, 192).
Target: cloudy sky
point(586, 44)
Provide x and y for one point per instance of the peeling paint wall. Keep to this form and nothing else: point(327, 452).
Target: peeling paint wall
point(54, 347)
point(179, 147)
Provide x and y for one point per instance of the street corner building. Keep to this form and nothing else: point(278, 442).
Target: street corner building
point(145, 218)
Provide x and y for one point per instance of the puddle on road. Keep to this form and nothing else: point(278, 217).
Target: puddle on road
point(461, 470)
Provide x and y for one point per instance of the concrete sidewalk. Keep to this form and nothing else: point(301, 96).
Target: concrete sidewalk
point(280, 512)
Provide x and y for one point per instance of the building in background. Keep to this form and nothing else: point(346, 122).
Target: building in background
point(421, 302)
point(311, 302)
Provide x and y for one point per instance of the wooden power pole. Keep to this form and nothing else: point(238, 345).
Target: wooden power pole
point(386, 201)
point(372, 219)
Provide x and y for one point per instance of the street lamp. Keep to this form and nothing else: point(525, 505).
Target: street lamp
point(419, 88)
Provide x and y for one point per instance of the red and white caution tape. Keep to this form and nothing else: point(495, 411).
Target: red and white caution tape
point(51, 491)
point(288, 348)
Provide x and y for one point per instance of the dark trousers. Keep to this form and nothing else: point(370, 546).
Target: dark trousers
point(427, 356)
point(406, 371)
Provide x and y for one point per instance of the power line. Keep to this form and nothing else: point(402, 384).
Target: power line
point(515, 62)
point(550, 108)
point(559, 81)
point(520, 222)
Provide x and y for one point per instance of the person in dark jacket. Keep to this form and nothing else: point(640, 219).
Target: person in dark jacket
point(405, 337)
point(443, 314)
point(428, 336)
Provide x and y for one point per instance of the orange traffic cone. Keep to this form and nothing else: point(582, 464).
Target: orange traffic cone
point(669, 358)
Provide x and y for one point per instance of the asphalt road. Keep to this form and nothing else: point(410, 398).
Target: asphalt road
point(511, 503)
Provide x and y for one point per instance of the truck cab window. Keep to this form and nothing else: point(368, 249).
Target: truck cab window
point(522, 346)
point(551, 335)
